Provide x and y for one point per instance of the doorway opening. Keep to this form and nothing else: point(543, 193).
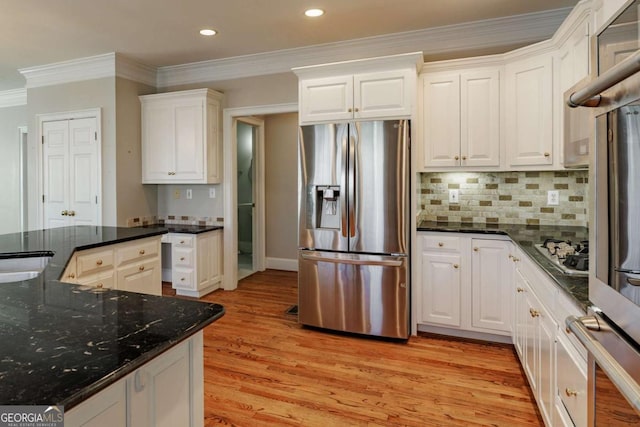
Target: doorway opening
point(247, 140)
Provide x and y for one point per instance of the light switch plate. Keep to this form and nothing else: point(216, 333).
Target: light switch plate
point(454, 196)
point(553, 197)
point(176, 194)
point(189, 193)
point(212, 193)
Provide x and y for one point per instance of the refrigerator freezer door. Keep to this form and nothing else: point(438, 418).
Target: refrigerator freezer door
point(379, 166)
point(364, 294)
point(322, 187)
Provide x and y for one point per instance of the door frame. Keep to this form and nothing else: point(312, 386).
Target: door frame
point(23, 148)
point(230, 187)
point(258, 241)
point(67, 115)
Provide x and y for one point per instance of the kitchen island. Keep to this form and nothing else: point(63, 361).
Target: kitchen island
point(63, 343)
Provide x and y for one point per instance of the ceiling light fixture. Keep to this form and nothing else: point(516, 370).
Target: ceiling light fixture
point(314, 13)
point(208, 32)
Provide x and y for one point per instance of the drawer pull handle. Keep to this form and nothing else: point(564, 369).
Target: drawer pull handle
point(99, 262)
point(456, 266)
point(534, 313)
point(72, 275)
point(141, 268)
point(570, 392)
point(547, 154)
point(440, 244)
point(476, 249)
point(182, 242)
point(141, 252)
point(520, 290)
point(181, 258)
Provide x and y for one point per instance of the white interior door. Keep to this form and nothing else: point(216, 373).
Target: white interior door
point(55, 149)
point(70, 172)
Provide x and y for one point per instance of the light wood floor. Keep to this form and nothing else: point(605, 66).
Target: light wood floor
point(263, 368)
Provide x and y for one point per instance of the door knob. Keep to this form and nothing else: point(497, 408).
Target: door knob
point(64, 213)
point(72, 213)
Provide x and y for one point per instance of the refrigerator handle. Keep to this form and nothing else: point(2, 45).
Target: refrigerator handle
point(385, 262)
point(343, 183)
point(353, 171)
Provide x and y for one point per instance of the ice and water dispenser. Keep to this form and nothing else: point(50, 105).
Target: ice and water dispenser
point(324, 211)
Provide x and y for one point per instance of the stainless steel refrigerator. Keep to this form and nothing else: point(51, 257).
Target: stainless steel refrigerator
point(353, 233)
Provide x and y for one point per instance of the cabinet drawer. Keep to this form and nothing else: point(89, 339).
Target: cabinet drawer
point(572, 382)
point(441, 243)
point(182, 241)
point(138, 251)
point(182, 257)
point(183, 278)
point(93, 262)
point(100, 281)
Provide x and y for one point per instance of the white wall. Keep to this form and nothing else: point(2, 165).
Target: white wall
point(10, 119)
point(172, 201)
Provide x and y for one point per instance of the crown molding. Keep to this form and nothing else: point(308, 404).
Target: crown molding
point(519, 29)
point(412, 60)
point(13, 98)
point(89, 68)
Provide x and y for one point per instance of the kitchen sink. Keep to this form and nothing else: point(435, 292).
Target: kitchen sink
point(17, 269)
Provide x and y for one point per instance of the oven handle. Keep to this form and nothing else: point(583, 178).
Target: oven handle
point(589, 96)
point(619, 377)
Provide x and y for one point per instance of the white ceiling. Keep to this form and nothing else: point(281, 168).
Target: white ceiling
point(165, 32)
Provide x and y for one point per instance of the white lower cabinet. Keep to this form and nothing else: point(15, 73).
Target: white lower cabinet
point(130, 266)
point(196, 262)
point(462, 283)
point(554, 365)
point(167, 391)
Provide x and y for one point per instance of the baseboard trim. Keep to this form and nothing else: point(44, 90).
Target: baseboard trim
point(282, 264)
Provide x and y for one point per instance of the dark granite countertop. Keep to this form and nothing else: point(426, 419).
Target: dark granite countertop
point(63, 343)
point(525, 236)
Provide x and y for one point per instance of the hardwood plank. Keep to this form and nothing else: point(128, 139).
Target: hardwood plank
point(263, 368)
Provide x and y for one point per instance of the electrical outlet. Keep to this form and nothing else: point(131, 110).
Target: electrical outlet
point(176, 194)
point(553, 197)
point(454, 196)
point(212, 193)
point(189, 194)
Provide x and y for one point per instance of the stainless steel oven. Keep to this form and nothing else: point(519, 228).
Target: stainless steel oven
point(612, 334)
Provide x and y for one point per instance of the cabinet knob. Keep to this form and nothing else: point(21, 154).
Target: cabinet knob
point(181, 258)
point(534, 313)
point(350, 110)
point(440, 244)
point(182, 242)
point(182, 279)
point(510, 256)
point(141, 252)
point(456, 266)
point(547, 154)
point(64, 213)
point(99, 262)
point(100, 286)
point(356, 109)
point(72, 275)
point(570, 392)
point(476, 249)
point(457, 157)
point(464, 157)
point(141, 268)
point(171, 173)
point(516, 259)
point(72, 213)
point(520, 290)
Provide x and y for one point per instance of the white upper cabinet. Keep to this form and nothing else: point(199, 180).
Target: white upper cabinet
point(529, 111)
point(461, 119)
point(181, 137)
point(377, 88)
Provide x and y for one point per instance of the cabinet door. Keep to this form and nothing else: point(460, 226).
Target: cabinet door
point(326, 99)
point(573, 57)
point(441, 286)
point(106, 409)
point(189, 141)
point(144, 277)
point(491, 294)
point(529, 112)
point(168, 390)
point(383, 94)
point(520, 317)
point(441, 120)
point(547, 329)
point(204, 261)
point(480, 118)
point(158, 144)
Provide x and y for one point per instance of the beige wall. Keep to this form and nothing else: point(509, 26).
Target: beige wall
point(252, 91)
point(281, 185)
point(133, 198)
point(10, 119)
point(97, 93)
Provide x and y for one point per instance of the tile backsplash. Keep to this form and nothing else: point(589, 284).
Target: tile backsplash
point(504, 197)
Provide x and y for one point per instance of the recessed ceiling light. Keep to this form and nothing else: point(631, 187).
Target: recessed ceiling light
point(314, 13)
point(208, 32)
